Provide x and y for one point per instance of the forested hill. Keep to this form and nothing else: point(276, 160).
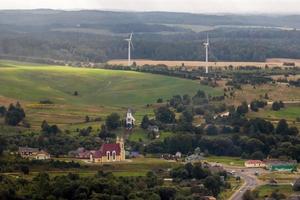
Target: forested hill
point(98, 36)
point(65, 18)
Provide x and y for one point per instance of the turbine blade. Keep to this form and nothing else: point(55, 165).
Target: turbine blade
point(207, 39)
point(130, 36)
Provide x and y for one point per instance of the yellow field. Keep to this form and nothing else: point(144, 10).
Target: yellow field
point(196, 64)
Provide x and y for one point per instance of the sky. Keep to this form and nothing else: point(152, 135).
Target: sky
point(194, 6)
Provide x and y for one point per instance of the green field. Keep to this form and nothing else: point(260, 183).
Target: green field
point(233, 161)
point(100, 91)
point(290, 112)
point(95, 86)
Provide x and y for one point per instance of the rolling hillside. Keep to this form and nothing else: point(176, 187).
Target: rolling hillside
point(95, 86)
point(100, 92)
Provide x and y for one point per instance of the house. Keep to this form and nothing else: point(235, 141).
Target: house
point(154, 130)
point(129, 119)
point(255, 164)
point(178, 154)
point(33, 153)
point(113, 152)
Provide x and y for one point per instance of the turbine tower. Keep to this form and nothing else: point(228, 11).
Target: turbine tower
point(206, 45)
point(129, 40)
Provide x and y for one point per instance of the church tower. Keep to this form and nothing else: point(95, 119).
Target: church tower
point(120, 141)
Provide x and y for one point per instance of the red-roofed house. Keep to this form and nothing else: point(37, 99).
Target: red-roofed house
point(109, 152)
point(255, 163)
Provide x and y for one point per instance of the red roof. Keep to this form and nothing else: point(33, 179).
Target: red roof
point(105, 148)
point(254, 162)
point(110, 147)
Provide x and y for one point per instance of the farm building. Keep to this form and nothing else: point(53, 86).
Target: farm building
point(254, 163)
point(33, 153)
point(280, 165)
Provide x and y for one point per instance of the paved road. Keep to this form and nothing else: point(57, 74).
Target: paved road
point(250, 180)
point(250, 183)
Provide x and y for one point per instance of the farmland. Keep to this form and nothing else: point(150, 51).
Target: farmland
point(195, 64)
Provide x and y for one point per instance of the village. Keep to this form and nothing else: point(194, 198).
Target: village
point(115, 153)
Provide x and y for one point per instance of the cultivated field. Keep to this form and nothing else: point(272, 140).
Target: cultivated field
point(196, 64)
point(275, 92)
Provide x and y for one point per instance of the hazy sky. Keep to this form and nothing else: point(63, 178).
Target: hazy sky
point(197, 6)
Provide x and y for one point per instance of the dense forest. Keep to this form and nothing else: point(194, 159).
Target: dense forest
point(98, 36)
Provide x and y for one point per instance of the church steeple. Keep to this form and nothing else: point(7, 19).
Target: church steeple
point(129, 119)
point(120, 141)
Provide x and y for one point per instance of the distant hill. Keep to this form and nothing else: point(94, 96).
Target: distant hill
point(98, 36)
point(71, 18)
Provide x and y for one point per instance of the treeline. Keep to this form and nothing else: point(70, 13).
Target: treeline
point(16, 163)
point(106, 186)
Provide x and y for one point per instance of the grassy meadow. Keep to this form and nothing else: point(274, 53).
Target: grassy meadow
point(290, 112)
point(230, 161)
point(100, 92)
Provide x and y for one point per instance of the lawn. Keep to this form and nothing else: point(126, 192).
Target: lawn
point(234, 161)
point(266, 190)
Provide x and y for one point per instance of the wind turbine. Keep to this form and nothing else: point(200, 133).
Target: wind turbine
point(129, 40)
point(206, 45)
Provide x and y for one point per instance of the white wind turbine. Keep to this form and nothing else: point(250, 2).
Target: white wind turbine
point(206, 45)
point(129, 40)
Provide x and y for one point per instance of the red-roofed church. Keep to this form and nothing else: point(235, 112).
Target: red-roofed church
point(112, 152)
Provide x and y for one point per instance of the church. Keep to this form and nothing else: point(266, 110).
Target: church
point(129, 120)
point(113, 152)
